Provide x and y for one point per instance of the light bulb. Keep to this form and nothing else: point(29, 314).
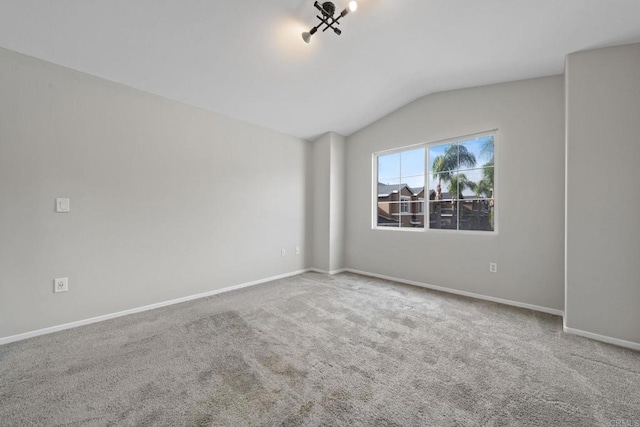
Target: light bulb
point(353, 6)
point(306, 36)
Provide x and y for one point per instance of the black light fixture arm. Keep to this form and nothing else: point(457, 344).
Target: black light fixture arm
point(328, 10)
point(328, 18)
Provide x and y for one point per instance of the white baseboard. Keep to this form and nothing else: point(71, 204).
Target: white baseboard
point(23, 336)
point(603, 338)
point(330, 273)
point(463, 293)
point(622, 343)
point(616, 341)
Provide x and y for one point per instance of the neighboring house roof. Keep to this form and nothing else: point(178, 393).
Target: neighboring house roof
point(448, 196)
point(445, 196)
point(385, 190)
point(385, 220)
point(416, 190)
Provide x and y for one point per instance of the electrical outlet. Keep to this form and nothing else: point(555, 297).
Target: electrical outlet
point(297, 250)
point(61, 284)
point(493, 267)
point(63, 205)
point(283, 252)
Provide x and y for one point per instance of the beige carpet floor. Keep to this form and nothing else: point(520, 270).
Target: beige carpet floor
point(319, 350)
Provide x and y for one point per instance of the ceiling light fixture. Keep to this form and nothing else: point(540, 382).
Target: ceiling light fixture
point(327, 18)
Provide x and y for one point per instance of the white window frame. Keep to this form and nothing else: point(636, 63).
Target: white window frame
point(424, 203)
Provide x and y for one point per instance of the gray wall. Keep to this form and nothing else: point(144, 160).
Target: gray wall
point(337, 201)
point(328, 195)
point(320, 194)
point(166, 200)
point(529, 245)
point(603, 207)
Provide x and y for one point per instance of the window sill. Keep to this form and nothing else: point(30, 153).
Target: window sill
point(438, 231)
point(411, 229)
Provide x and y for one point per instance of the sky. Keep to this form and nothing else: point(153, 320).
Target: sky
point(408, 167)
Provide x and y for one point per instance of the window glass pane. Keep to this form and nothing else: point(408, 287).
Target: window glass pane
point(486, 150)
point(476, 183)
point(387, 215)
point(412, 163)
point(443, 215)
point(432, 184)
point(387, 190)
point(456, 184)
point(477, 214)
point(487, 172)
point(415, 184)
point(414, 217)
point(388, 196)
point(388, 167)
point(443, 158)
point(487, 182)
point(469, 153)
point(414, 187)
point(448, 186)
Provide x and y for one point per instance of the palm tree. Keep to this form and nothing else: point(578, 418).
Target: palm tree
point(487, 149)
point(485, 185)
point(458, 183)
point(445, 165)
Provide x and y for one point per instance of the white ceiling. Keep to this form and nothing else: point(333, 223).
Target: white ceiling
point(246, 59)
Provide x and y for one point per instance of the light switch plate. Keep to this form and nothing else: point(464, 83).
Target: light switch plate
point(63, 205)
point(61, 284)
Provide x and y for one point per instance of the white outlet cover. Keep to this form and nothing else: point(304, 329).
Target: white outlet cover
point(493, 267)
point(61, 284)
point(63, 205)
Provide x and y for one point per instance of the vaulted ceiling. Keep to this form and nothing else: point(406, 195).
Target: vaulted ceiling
point(246, 58)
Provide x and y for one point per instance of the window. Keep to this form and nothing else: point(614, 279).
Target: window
point(457, 177)
point(404, 204)
point(400, 184)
